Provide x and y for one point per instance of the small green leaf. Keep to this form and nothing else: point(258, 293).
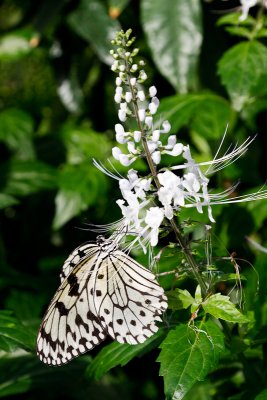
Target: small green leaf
point(26, 177)
point(221, 307)
point(179, 299)
point(174, 35)
point(86, 20)
point(205, 113)
point(7, 200)
point(187, 356)
point(116, 354)
point(79, 187)
point(251, 58)
point(198, 295)
point(11, 329)
point(16, 131)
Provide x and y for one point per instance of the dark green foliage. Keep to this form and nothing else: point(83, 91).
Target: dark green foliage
point(210, 72)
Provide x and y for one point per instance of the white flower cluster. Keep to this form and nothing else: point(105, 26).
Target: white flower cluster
point(148, 202)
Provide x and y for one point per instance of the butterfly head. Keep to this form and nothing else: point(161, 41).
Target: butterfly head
point(106, 244)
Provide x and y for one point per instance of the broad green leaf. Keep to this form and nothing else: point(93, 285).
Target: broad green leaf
point(12, 329)
point(205, 113)
point(7, 200)
point(174, 33)
point(262, 395)
point(26, 304)
point(79, 187)
point(179, 299)
point(84, 144)
point(22, 372)
point(221, 307)
point(187, 355)
point(86, 21)
point(16, 131)
point(251, 58)
point(116, 354)
point(26, 177)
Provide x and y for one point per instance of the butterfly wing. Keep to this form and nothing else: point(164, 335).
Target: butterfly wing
point(85, 250)
point(71, 326)
point(128, 299)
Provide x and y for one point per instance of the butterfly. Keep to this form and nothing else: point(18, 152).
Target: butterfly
point(103, 292)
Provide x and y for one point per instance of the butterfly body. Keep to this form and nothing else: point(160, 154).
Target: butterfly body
point(103, 292)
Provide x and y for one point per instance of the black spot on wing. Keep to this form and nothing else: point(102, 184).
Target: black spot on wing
point(61, 308)
point(74, 286)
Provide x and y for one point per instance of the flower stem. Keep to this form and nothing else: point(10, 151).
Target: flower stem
point(175, 227)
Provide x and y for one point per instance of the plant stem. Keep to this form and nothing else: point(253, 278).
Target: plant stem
point(175, 227)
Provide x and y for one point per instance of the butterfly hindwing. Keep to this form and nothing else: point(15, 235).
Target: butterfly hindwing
point(128, 299)
point(70, 326)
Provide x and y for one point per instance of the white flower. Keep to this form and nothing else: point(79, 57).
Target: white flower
point(152, 91)
point(141, 95)
point(153, 105)
point(118, 94)
point(133, 81)
point(156, 135)
point(122, 115)
point(137, 136)
point(118, 81)
point(131, 147)
point(128, 97)
point(116, 152)
point(156, 157)
point(166, 127)
point(245, 6)
point(191, 183)
point(149, 121)
point(153, 219)
point(142, 114)
point(142, 75)
point(121, 136)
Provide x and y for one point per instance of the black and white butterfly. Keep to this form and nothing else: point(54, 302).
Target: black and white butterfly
point(103, 292)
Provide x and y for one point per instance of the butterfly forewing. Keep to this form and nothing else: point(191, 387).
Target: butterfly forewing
point(85, 250)
point(70, 326)
point(103, 291)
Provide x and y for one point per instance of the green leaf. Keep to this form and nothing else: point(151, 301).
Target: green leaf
point(26, 177)
point(221, 307)
point(116, 354)
point(16, 131)
point(205, 113)
point(179, 299)
point(174, 35)
point(86, 21)
point(79, 187)
point(187, 356)
point(234, 19)
point(11, 329)
point(262, 395)
point(7, 201)
point(251, 58)
point(21, 373)
point(84, 144)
